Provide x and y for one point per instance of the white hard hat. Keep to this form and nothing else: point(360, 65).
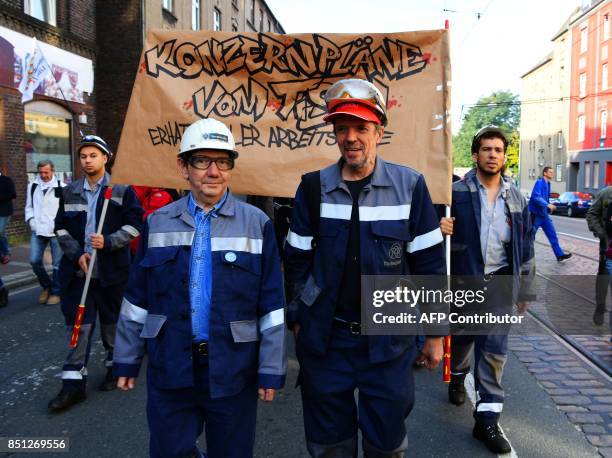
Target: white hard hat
point(208, 134)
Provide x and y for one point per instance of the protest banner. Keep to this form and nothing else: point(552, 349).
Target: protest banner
point(268, 89)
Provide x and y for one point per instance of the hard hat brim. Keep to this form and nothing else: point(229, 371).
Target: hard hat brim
point(355, 110)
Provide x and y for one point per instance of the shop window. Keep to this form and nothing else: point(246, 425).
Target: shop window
point(47, 136)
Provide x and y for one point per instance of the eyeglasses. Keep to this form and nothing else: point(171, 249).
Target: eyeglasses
point(203, 162)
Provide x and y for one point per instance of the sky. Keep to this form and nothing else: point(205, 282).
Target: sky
point(487, 54)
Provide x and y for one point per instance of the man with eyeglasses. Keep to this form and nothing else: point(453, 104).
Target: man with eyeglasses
point(206, 298)
point(76, 228)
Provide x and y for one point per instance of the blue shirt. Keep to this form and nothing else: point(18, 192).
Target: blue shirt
point(92, 201)
point(200, 270)
point(494, 229)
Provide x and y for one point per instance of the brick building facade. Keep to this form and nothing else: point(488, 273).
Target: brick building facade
point(46, 126)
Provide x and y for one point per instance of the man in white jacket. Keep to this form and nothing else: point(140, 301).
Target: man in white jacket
point(42, 204)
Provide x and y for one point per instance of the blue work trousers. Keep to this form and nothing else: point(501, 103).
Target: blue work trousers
point(331, 414)
point(177, 418)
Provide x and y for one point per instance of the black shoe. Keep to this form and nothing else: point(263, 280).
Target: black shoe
point(66, 399)
point(598, 315)
point(492, 437)
point(456, 393)
point(110, 381)
point(565, 257)
point(3, 297)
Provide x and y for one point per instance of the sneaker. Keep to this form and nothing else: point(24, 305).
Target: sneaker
point(110, 381)
point(565, 257)
point(66, 399)
point(492, 437)
point(456, 393)
point(43, 297)
point(3, 297)
point(53, 299)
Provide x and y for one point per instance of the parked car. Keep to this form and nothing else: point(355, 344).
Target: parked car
point(573, 203)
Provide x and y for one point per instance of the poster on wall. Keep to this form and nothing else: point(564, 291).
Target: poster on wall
point(70, 73)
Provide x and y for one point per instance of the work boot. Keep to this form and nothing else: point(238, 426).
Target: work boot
point(492, 437)
point(598, 315)
point(110, 381)
point(53, 299)
point(3, 297)
point(43, 297)
point(456, 393)
point(66, 399)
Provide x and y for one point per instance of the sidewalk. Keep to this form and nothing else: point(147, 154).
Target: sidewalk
point(18, 272)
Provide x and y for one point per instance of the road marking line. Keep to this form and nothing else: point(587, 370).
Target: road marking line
point(578, 237)
point(470, 388)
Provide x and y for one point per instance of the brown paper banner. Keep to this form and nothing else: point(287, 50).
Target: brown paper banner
point(268, 89)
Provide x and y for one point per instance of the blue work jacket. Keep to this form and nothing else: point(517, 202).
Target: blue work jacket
point(540, 196)
point(247, 314)
point(399, 235)
point(466, 251)
point(123, 222)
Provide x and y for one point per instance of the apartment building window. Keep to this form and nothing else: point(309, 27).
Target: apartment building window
point(195, 15)
point(584, 37)
point(581, 127)
point(587, 174)
point(603, 126)
point(216, 20)
point(604, 77)
point(43, 10)
point(559, 172)
point(595, 175)
point(252, 12)
point(583, 85)
point(269, 26)
point(559, 139)
point(606, 27)
point(261, 20)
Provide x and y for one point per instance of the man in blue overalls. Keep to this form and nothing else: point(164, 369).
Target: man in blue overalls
point(76, 226)
point(491, 242)
point(539, 206)
point(360, 216)
point(206, 296)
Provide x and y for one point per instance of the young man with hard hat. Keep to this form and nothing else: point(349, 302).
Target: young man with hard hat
point(206, 299)
point(491, 242)
point(76, 226)
point(360, 216)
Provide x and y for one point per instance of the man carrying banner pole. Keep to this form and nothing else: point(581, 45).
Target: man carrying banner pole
point(491, 237)
point(345, 220)
point(75, 226)
point(206, 295)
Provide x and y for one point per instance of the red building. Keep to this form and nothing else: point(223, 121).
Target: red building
point(590, 138)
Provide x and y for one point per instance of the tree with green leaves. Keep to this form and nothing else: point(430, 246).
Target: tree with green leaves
point(502, 109)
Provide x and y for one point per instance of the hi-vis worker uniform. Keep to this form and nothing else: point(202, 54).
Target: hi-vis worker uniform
point(216, 382)
point(395, 211)
point(468, 260)
point(110, 274)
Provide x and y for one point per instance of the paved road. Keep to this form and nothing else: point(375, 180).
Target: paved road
point(573, 226)
point(32, 345)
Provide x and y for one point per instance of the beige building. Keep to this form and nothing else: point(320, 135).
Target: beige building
point(224, 15)
point(545, 108)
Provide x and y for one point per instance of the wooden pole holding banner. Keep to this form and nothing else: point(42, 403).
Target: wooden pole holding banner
point(74, 338)
point(446, 361)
